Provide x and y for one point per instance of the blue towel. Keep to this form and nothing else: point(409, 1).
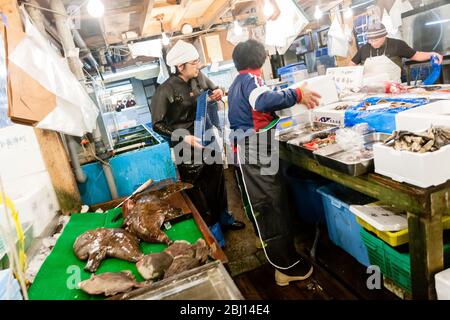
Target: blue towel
point(436, 69)
point(206, 118)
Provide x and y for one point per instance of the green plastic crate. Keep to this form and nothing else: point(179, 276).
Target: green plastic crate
point(394, 264)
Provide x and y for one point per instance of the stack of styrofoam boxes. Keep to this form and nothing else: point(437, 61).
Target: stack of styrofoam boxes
point(26, 180)
point(443, 285)
point(420, 169)
point(9, 287)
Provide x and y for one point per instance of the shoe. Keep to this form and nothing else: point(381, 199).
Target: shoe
point(258, 243)
point(236, 225)
point(283, 279)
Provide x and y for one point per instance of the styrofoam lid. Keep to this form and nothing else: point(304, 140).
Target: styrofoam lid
point(444, 277)
point(381, 217)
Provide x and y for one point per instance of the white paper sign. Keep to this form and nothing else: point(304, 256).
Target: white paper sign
point(347, 77)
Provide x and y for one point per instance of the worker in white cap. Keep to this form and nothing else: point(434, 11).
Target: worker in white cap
point(384, 54)
point(174, 106)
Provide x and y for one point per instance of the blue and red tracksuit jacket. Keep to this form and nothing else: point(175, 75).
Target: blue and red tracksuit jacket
point(252, 105)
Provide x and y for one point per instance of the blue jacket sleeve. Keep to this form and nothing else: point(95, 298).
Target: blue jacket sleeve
point(262, 99)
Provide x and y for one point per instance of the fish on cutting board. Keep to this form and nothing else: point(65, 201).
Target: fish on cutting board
point(95, 245)
point(149, 212)
point(153, 266)
point(110, 284)
point(180, 256)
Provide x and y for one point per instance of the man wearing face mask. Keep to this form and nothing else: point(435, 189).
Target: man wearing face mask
point(173, 107)
point(383, 54)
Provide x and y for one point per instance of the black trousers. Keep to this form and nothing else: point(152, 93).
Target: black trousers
point(209, 193)
point(267, 193)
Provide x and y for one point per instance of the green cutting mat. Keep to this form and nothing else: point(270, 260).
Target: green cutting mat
point(62, 269)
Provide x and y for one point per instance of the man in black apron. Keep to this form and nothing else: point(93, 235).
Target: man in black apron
point(383, 54)
point(174, 107)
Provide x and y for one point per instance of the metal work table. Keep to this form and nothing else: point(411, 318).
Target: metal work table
point(425, 209)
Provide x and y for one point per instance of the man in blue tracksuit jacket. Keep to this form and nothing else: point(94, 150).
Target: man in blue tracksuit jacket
point(252, 118)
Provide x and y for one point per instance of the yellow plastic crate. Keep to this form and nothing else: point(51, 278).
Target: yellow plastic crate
point(396, 238)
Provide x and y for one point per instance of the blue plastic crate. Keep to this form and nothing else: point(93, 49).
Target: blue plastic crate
point(343, 229)
point(130, 170)
point(308, 203)
point(291, 68)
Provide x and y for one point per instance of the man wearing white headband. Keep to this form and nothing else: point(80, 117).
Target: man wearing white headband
point(174, 106)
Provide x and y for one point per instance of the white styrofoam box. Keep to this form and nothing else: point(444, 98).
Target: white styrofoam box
point(35, 200)
point(290, 122)
point(443, 285)
point(347, 77)
point(422, 118)
point(381, 217)
point(420, 169)
point(20, 154)
point(324, 85)
point(328, 114)
point(9, 286)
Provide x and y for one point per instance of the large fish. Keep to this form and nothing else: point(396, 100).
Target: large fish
point(110, 284)
point(147, 215)
point(178, 257)
point(96, 245)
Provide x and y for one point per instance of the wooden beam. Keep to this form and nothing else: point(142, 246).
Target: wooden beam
point(175, 24)
point(215, 11)
point(146, 16)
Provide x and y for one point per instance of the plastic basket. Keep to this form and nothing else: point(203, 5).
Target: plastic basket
point(308, 202)
point(398, 238)
point(395, 264)
point(343, 229)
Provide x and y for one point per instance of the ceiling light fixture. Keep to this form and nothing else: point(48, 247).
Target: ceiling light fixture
point(318, 13)
point(96, 8)
point(164, 38)
point(187, 29)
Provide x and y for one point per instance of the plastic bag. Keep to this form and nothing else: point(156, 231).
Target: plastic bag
point(381, 120)
point(352, 139)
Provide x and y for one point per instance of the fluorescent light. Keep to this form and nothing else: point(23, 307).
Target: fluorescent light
point(237, 28)
point(348, 13)
point(318, 13)
point(96, 8)
point(437, 22)
point(268, 9)
point(130, 72)
point(165, 39)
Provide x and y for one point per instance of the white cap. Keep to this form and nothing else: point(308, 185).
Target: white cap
point(181, 52)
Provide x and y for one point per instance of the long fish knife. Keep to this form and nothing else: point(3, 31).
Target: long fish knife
point(141, 188)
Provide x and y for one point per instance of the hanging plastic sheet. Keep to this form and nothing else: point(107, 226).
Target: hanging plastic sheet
point(75, 113)
point(378, 114)
point(337, 40)
point(163, 71)
point(280, 33)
